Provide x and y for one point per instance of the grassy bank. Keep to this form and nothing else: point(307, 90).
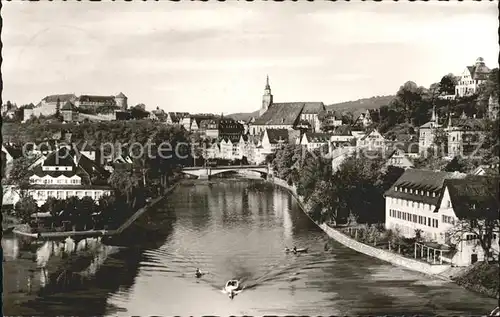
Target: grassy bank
point(480, 277)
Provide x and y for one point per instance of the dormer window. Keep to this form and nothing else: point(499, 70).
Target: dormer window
point(427, 193)
point(433, 194)
point(406, 190)
point(411, 191)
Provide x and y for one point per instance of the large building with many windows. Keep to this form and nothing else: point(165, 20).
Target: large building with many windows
point(471, 78)
point(433, 203)
point(64, 173)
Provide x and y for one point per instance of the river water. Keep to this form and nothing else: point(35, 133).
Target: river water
point(232, 229)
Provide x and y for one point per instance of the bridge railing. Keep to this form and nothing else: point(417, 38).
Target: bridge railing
point(225, 167)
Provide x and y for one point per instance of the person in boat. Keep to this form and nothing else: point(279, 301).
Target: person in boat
point(198, 273)
point(231, 294)
point(294, 249)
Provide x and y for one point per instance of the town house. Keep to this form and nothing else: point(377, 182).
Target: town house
point(464, 135)
point(64, 173)
point(471, 78)
point(412, 200)
point(372, 140)
point(427, 132)
point(433, 203)
point(461, 200)
point(313, 140)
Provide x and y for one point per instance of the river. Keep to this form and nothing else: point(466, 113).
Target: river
point(232, 229)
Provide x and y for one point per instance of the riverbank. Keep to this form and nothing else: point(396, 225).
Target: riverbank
point(21, 230)
point(477, 278)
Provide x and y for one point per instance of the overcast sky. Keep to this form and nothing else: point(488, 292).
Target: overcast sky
point(214, 57)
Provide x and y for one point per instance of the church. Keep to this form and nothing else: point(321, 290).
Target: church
point(286, 115)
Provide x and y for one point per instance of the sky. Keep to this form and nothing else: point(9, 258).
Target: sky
point(214, 56)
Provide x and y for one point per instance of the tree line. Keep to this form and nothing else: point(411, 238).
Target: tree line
point(354, 192)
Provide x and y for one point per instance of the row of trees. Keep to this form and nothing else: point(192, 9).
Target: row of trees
point(353, 192)
point(77, 213)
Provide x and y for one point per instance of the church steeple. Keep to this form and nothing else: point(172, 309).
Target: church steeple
point(267, 98)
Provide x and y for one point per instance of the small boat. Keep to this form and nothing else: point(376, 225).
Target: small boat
point(232, 288)
point(199, 273)
point(300, 250)
point(232, 285)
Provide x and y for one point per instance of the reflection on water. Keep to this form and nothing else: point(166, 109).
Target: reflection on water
point(231, 229)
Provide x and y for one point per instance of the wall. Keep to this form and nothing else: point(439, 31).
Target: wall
point(366, 249)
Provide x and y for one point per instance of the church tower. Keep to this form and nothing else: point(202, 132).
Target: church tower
point(267, 98)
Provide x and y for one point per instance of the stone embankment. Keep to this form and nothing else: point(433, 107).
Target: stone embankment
point(384, 255)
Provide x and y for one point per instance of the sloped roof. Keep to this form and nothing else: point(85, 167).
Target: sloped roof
point(62, 98)
point(429, 125)
point(313, 107)
point(90, 98)
point(468, 124)
point(281, 113)
point(318, 137)
point(343, 130)
point(68, 106)
point(425, 180)
point(277, 135)
point(369, 132)
point(121, 95)
point(61, 157)
point(479, 71)
point(15, 152)
point(473, 196)
point(84, 166)
point(406, 147)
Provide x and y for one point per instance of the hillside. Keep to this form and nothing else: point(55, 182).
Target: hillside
point(353, 106)
point(243, 116)
point(360, 104)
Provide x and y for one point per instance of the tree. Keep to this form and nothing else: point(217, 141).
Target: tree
point(86, 208)
point(124, 182)
point(456, 165)
point(25, 207)
point(408, 100)
point(441, 142)
point(447, 85)
point(54, 206)
point(19, 174)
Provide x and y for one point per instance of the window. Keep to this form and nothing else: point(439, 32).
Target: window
point(412, 204)
point(415, 218)
point(429, 221)
point(449, 204)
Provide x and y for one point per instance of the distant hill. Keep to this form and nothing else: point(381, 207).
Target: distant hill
point(353, 106)
point(243, 116)
point(361, 104)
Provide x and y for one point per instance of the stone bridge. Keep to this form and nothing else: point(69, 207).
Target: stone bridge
point(206, 172)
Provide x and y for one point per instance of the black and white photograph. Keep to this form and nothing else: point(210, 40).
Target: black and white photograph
point(250, 158)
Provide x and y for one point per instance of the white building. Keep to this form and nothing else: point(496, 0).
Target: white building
point(364, 119)
point(64, 173)
point(427, 132)
point(431, 202)
point(471, 78)
point(462, 199)
point(372, 140)
point(464, 135)
point(314, 141)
